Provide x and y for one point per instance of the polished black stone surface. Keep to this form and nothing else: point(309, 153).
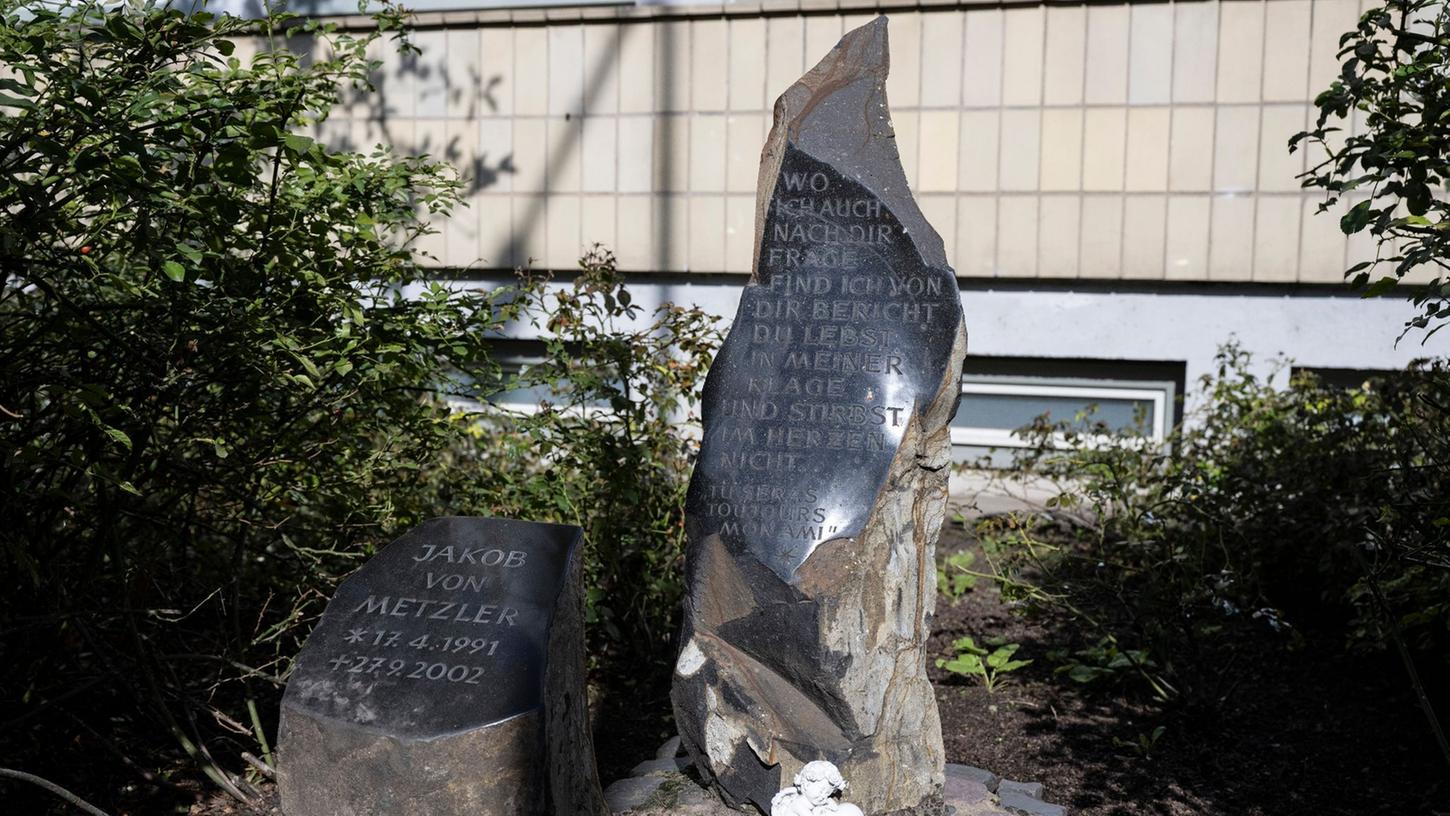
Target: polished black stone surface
point(844, 332)
point(444, 630)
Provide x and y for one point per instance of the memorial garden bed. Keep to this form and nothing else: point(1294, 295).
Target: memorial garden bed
point(1306, 730)
point(1211, 626)
point(1310, 730)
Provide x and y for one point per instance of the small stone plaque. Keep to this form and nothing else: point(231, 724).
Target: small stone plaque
point(448, 670)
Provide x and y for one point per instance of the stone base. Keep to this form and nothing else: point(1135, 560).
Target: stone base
point(676, 794)
point(933, 806)
point(664, 793)
point(507, 737)
point(658, 788)
point(328, 769)
point(976, 792)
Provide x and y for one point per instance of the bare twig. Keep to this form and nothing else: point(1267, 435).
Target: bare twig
point(267, 770)
point(1391, 623)
point(53, 788)
point(243, 783)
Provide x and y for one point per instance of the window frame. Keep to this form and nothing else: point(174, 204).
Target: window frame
point(1159, 396)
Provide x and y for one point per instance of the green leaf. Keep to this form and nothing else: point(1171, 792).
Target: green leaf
point(128, 167)
point(264, 133)
point(17, 86)
point(1358, 216)
point(964, 664)
point(966, 644)
point(1381, 286)
point(8, 101)
point(1001, 656)
point(120, 436)
point(311, 367)
point(300, 144)
point(174, 270)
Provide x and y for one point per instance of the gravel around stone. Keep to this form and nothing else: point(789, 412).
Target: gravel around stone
point(666, 787)
point(629, 795)
point(660, 766)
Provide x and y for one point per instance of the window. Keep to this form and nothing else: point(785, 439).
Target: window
point(1347, 378)
point(990, 411)
point(1000, 395)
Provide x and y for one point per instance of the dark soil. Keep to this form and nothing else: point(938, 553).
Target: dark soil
point(1307, 730)
point(220, 804)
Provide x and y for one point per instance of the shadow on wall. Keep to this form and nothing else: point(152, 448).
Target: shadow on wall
point(481, 173)
point(476, 97)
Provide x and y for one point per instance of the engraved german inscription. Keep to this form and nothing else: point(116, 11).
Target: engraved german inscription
point(818, 380)
point(452, 604)
point(821, 480)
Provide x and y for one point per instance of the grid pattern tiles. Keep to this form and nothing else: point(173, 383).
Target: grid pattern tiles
point(1131, 141)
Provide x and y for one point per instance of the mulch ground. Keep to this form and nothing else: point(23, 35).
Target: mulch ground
point(1302, 731)
point(1311, 730)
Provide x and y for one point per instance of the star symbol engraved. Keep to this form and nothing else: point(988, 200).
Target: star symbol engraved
point(356, 635)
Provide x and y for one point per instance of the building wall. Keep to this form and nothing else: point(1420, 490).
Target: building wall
point(1112, 181)
point(1140, 141)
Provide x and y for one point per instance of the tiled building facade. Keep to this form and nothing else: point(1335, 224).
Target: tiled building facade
point(1111, 180)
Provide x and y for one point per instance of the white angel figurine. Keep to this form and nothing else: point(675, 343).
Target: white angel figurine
point(812, 793)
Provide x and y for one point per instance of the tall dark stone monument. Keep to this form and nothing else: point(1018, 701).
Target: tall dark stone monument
point(814, 509)
point(446, 677)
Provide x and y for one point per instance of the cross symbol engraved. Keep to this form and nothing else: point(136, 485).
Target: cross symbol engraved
point(356, 635)
point(338, 662)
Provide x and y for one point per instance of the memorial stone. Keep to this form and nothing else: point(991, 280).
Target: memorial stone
point(446, 677)
point(814, 508)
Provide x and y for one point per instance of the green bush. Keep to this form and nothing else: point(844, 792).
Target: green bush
point(215, 394)
point(1308, 508)
point(608, 450)
point(226, 378)
point(1380, 137)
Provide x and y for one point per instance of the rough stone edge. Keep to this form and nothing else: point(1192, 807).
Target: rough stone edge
point(573, 774)
point(342, 756)
point(917, 472)
point(559, 733)
point(794, 107)
point(914, 489)
point(988, 779)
